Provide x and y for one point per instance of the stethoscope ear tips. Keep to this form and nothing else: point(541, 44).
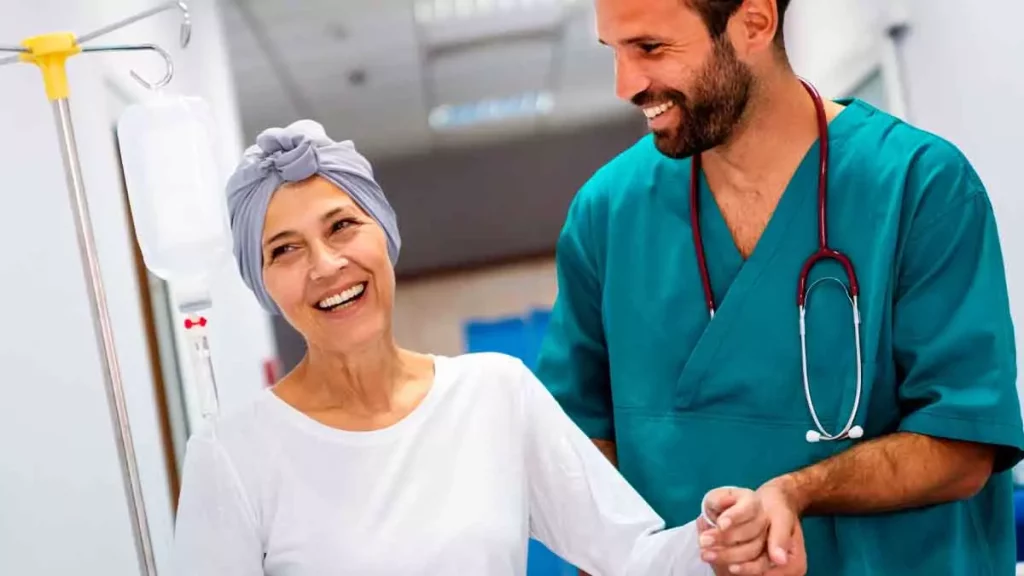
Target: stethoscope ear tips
point(813, 436)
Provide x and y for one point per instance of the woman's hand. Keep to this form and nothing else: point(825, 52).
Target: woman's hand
point(738, 543)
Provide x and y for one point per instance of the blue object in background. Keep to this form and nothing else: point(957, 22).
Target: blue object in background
point(520, 337)
point(1018, 513)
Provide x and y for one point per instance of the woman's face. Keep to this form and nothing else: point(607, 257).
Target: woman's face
point(326, 266)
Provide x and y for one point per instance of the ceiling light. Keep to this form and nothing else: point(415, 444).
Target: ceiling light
point(491, 110)
point(432, 11)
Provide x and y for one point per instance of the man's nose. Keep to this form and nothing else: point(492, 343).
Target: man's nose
point(629, 79)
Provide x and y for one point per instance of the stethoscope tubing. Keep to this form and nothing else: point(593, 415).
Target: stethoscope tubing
point(824, 252)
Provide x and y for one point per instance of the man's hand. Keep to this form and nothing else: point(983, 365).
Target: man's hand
point(796, 562)
point(757, 533)
point(783, 516)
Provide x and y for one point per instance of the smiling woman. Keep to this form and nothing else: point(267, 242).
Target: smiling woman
point(325, 261)
point(371, 459)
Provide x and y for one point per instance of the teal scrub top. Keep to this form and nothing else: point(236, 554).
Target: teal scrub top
point(693, 404)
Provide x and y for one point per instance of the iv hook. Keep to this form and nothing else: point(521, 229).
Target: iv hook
point(168, 61)
point(167, 75)
point(185, 38)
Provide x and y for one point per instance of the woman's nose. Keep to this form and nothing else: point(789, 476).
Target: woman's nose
point(325, 262)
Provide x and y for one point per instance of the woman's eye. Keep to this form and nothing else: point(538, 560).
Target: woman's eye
point(280, 251)
point(343, 224)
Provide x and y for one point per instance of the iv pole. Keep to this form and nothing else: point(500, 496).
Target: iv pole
point(50, 53)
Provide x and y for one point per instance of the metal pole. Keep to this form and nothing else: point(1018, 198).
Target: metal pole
point(104, 337)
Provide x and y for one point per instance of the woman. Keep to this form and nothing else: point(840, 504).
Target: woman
point(373, 460)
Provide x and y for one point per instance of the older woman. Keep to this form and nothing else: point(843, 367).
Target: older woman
point(373, 460)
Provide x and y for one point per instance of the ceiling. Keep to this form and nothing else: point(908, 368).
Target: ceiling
point(388, 74)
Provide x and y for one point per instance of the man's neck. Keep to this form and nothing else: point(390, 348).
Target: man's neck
point(778, 128)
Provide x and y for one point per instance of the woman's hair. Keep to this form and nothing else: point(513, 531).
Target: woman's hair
point(716, 14)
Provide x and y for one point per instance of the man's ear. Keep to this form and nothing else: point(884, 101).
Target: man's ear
point(753, 27)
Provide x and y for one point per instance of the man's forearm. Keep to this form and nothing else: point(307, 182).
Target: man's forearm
point(894, 472)
point(607, 447)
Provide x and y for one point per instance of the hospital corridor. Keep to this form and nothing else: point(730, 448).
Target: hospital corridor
point(511, 287)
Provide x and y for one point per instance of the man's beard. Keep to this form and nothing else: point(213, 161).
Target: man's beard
point(716, 105)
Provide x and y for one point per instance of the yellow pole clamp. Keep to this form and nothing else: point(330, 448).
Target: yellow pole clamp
point(50, 52)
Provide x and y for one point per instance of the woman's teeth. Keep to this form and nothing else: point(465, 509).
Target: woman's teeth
point(345, 298)
point(654, 111)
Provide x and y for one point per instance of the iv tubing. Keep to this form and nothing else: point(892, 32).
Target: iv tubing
point(202, 364)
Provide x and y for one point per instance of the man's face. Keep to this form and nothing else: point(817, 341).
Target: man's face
point(692, 88)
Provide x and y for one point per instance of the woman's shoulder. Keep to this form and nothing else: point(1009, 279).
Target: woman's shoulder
point(481, 367)
point(238, 429)
point(490, 376)
point(495, 362)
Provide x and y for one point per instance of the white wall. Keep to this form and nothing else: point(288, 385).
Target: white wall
point(61, 493)
point(837, 44)
point(430, 314)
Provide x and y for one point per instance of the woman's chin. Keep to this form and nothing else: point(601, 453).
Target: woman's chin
point(345, 328)
point(352, 332)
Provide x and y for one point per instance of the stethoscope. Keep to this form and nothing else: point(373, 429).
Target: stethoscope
point(824, 253)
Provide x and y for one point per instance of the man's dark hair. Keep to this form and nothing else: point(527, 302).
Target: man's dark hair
point(716, 14)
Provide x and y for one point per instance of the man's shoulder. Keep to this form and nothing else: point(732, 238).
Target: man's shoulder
point(913, 170)
point(635, 167)
point(940, 169)
point(928, 162)
point(630, 175)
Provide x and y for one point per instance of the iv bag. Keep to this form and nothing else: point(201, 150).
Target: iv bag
point(177, 200)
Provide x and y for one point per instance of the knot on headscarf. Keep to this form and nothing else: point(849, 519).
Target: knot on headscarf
point(294, 165)
point(293, 154)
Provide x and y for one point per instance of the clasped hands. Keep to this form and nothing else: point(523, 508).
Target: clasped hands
point(753, 533)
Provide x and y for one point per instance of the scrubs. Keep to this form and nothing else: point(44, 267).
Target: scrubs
point(692, 404)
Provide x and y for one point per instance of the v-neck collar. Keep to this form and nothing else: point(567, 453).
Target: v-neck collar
point(802, 186)
point(730, 293)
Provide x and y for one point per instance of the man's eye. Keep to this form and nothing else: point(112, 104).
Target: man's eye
point(649, 47)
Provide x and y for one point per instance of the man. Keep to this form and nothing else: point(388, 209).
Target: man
point(685, 400)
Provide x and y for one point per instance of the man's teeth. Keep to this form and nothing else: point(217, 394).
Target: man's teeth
point(655, 111)
point(343, 298)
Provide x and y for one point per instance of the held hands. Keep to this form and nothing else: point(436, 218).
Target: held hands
point(756, 534)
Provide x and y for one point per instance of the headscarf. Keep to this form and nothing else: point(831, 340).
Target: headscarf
point(293, 154)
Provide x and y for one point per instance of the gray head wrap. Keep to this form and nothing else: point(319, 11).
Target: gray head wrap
point(293, 154)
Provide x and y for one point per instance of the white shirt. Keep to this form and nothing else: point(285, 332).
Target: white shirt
point(487, 460)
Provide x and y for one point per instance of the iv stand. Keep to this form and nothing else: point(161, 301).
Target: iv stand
point(50, 53)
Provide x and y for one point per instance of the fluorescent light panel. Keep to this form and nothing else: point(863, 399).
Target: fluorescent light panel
point(434, 11)
point(491, 110)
